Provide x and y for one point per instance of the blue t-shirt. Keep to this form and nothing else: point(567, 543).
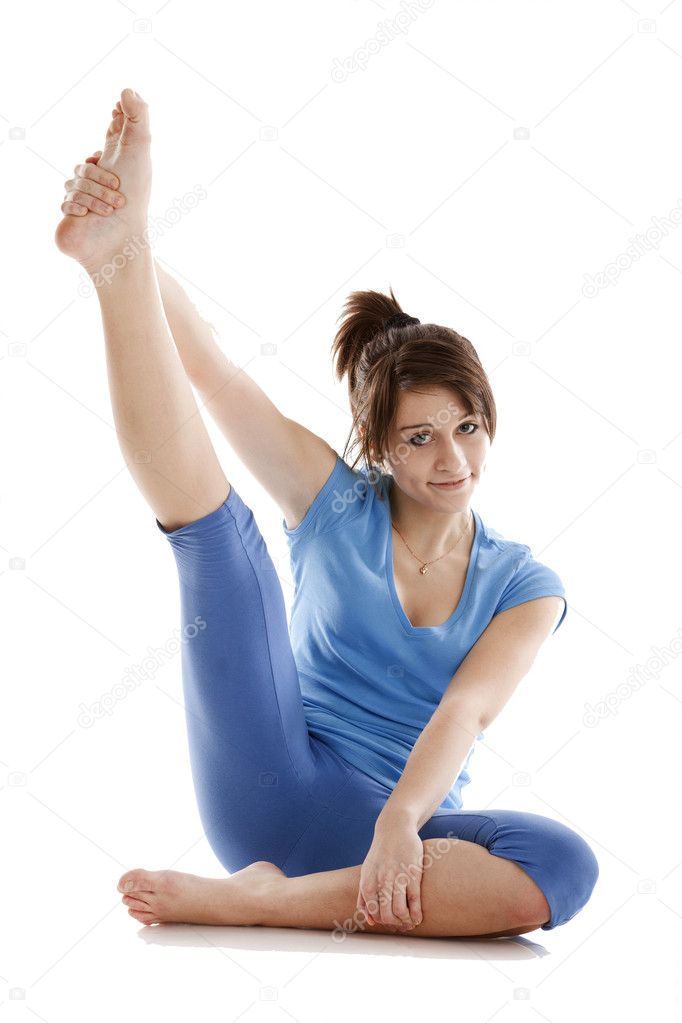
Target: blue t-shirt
point(370, 680)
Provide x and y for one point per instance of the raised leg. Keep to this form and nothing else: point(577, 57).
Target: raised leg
point(162, 436)
point(161, 433)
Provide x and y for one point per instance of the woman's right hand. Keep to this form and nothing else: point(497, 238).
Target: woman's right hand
point(95, 187)
point(125, 160)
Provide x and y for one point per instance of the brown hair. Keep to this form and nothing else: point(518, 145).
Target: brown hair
point(381, 362)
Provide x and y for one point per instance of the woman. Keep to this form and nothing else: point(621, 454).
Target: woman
point(323, 753)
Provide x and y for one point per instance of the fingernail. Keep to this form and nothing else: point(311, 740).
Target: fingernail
point(128, 886)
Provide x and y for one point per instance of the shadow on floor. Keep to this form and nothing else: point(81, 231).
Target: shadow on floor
point(291, 939)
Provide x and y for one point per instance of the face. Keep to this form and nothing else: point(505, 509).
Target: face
point(432, 440)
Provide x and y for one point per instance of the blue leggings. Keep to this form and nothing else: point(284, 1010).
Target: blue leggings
point(268, 790)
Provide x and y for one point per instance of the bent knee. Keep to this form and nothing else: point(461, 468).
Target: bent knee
point(580, 861)
point(565, 869)
point(535, 909)
point(578, 870)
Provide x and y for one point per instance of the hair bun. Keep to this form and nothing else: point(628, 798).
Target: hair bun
point(400, 320)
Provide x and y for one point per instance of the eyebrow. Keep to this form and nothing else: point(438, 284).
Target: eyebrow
point(469, 415)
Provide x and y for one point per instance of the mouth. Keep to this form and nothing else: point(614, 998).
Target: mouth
point(452, 484)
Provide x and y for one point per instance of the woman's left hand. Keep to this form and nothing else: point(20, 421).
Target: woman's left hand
point(391, 876)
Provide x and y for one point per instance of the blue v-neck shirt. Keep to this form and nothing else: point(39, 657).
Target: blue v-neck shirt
point(370, 680)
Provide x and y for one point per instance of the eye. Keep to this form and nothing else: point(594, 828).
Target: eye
point(415, 444)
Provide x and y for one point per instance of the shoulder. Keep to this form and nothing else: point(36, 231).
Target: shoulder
point(519, 576)
point(512, 553)
point(346, 494)
point(500, 543)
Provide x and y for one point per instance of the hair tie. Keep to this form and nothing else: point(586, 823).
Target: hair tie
point(400, 320)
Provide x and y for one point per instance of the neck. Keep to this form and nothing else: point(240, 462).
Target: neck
point(430, 533)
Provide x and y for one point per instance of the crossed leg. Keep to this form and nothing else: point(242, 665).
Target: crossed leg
point(466, 892)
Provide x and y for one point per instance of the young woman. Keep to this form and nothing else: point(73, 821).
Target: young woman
point(323, 753)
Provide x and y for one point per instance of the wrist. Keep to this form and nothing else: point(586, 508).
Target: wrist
point(397, 815)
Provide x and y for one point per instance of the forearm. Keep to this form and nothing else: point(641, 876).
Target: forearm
point(195, 338)
point(432, 767)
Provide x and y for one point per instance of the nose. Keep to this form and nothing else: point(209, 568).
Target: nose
point(452, 458)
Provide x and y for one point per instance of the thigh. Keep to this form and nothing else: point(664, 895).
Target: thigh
point(257, 774)
point(342, 837)
point(342, 834)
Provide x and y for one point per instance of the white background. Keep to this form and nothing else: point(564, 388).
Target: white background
point(482, 162)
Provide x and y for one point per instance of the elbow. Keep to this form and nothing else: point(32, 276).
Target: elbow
point(466, 714)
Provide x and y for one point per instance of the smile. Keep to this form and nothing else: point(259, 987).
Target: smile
point(453, 485)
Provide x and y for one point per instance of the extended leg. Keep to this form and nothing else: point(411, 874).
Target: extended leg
point(160, 431)
point(162, 435)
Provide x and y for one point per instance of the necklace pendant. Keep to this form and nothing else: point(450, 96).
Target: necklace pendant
point(424, 569)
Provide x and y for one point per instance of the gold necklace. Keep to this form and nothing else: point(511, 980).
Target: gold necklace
point(425, 564)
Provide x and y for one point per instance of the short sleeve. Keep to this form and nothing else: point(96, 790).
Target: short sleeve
point(341, 499)
point(532, 579)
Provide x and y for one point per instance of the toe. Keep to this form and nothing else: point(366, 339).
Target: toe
point(137, 880)
point(136, 904)
point(143, 918)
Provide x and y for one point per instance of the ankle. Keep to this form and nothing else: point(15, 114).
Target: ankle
point(103, 267)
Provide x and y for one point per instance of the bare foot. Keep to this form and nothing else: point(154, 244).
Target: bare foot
point(169, 896)
point(92, 239)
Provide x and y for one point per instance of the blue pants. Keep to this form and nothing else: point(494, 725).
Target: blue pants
point(268, 790)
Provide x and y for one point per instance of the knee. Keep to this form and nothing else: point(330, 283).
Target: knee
point(577, 871)
point(579, 859)
point(560, 862)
